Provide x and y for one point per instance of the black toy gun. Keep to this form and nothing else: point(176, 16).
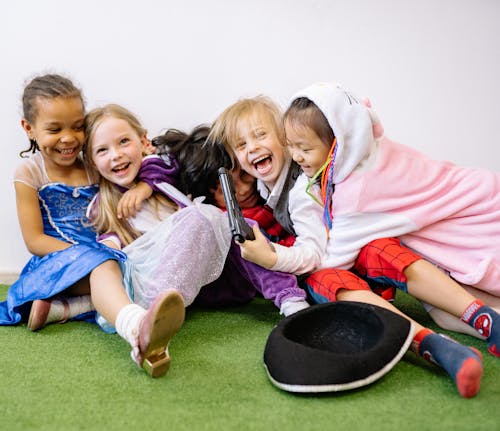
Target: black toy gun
point(239, 227)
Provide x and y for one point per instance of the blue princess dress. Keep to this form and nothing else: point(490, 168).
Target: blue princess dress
point(63, 210)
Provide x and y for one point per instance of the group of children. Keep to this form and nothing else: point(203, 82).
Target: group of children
point(254, 133)
point(356, 213)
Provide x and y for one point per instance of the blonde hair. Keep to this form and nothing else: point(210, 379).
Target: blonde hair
point(259, 108)
point(105, 219)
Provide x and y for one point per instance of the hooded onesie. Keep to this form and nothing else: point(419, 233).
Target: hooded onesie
point(448, 214)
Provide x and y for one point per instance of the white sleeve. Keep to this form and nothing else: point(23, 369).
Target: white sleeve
point(31, 172)
point(311, 234)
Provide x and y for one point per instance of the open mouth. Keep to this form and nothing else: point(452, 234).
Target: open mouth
point(121, 168)
point(263, 164)
point(68, 152)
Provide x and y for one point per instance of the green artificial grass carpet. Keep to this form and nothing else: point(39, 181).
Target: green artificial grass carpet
point(76, 377)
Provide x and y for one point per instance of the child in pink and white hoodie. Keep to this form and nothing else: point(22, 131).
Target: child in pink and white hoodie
point(449, 214)
point(373, 188)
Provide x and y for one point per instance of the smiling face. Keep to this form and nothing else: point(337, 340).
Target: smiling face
point(258, 148)
point(116, 150)
point(57, 129)
point(306, 148)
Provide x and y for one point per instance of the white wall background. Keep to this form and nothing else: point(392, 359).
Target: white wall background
point(430, 67)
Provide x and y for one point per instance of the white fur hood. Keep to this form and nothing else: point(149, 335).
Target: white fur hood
point(355, 125)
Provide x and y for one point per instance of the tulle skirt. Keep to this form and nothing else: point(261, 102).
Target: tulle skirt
point(185, 251)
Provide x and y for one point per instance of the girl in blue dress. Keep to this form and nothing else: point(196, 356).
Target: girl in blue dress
point(53, 189)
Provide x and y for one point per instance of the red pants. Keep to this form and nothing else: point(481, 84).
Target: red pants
point(381, 263)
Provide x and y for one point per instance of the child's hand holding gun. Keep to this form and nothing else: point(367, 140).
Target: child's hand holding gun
point(253, 244)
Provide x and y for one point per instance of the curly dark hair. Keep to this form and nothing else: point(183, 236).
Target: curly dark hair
point(198, 159)
point(47, 86)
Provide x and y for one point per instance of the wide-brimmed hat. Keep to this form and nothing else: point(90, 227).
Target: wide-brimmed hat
point(335, 346)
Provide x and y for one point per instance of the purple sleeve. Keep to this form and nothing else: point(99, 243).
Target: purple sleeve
point(276, 286)
point(156, 169)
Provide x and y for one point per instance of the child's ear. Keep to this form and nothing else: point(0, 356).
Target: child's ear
point(147, 148)
point(27, 128)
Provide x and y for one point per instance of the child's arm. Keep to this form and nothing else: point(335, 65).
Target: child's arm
point(259, 250)
point(311, 237)
point(30, 221)
point(154, 169)
point(131, 200)
point(302, 257)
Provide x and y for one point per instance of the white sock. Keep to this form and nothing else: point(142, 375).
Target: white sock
point(69, 307)
point(292, 305)
point(79, 305)
point(128, 322)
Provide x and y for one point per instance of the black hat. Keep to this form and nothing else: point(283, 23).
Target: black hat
point(335, 346)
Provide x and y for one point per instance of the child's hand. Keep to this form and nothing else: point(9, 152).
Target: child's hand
point(259, 251)
point(130, 202)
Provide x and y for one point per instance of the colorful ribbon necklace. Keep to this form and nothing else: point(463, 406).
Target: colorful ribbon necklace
point(327, 185)
point(326, 171)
